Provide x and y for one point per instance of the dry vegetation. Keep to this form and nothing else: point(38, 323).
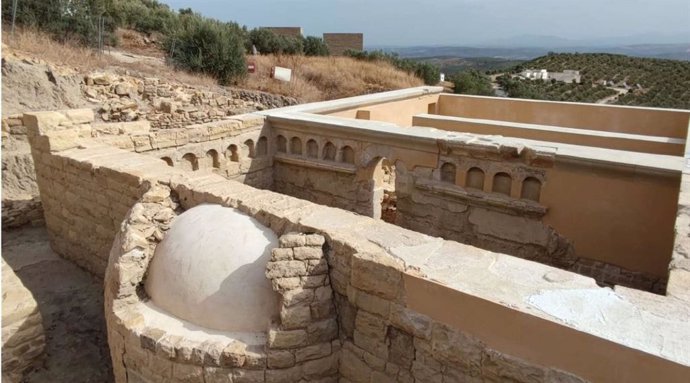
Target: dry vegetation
point(314, 78)
point(327, 78)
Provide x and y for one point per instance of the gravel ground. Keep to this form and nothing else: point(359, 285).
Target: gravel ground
point(71, 303)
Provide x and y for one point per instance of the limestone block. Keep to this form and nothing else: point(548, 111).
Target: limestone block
point(295, 317)
point(410, 321)
point(304, 253)
point(293, 297)
point(292, 374)
point(187, 373)
point(315, 351)
point(280, 359)
point(370, 325)
point(280, 339)
point(281, 254)
point(79, 116)
point(375, 277)
point(248, 376)
point(321, 367)
point(40, 123)
point(285, 269)
point(293, 240)
point(322, 331)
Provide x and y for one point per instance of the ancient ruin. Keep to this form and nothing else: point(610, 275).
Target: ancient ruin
point(406, 236)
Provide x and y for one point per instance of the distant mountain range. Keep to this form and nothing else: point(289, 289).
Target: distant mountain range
point(529, 47)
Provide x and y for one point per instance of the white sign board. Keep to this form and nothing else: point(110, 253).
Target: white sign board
point(282, 74)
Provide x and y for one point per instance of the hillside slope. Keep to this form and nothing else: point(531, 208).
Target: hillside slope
point(646, 81)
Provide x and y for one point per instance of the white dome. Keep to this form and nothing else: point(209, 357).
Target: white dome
point(210, 270)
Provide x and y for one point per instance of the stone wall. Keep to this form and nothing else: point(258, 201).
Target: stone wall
point(398, 293)
point(338, 43)
point(23, 339)
point(301, 344)
point(21, 204)
point(169, 105)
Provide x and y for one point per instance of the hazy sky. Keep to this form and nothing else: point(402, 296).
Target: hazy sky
point(459, 22)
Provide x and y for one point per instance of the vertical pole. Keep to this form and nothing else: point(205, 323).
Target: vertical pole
point(14, 15)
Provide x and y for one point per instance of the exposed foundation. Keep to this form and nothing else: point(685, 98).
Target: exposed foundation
point(366, 300)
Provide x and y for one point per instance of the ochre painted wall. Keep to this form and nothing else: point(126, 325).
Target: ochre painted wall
point(655, 122)
point(620, 217)
point(397, 112)
point(618, 143)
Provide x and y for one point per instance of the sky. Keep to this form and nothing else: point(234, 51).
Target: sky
point(463, 22)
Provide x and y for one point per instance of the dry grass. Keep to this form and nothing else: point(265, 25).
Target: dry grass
point(327, 78)
point(313, 78)
point(40, 45)
point(35, 44)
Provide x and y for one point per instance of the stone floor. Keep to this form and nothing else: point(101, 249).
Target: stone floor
point(71, 303)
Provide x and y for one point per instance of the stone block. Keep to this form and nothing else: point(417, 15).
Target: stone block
point(410, 321)
point(375, 277)
point(285, 375)
point(281, 254)
point(299, 295)
point(315, 351)
point(304, 253)
point(293, 240)
point(285, 269)
point(401, 347)
point(311, 281)
point(321, 367)
point(370, 325)
point(322, 331)
point(295, 317)
point(280, 339)
point(280, 359)
point(248, 376)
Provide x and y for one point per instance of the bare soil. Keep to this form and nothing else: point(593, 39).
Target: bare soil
point(71, 303)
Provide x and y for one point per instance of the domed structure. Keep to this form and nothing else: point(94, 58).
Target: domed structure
point(210, 270)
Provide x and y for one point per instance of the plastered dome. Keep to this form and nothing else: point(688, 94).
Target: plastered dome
point(210, 270)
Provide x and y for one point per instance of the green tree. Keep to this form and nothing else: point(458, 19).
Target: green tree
point(473, 82)
point(315, 46)
point(209, 46)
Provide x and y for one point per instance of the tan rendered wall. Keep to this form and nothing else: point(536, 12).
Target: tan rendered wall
point(397, 112)
point(655, 122)
point(631, 143)
point(620, 217)
point(338, 43)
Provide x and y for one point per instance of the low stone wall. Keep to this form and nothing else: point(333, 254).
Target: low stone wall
point(464, 313)
point(301, 345)
point(23, 339)
point(21, 204)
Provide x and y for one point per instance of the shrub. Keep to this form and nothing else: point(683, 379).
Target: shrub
point(425, 71)
point(208, 46)
point(472, 82)
point(267, 42)
point(315, 46)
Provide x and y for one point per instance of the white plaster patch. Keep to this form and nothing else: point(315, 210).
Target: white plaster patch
point(604, 313)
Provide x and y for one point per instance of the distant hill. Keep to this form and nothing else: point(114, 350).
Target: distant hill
point(452, 65)
point(645, 81)
point(529, 50)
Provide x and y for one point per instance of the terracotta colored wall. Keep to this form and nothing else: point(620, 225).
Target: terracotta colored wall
point(619, 143)
point(397, 112)
point(656, 122)
point(620, 217)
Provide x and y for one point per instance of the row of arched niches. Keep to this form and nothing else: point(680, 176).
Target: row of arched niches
point(501, 182)
point(475, 177)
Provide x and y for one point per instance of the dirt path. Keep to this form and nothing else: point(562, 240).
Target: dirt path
point(71, 303)
point(608, 99)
